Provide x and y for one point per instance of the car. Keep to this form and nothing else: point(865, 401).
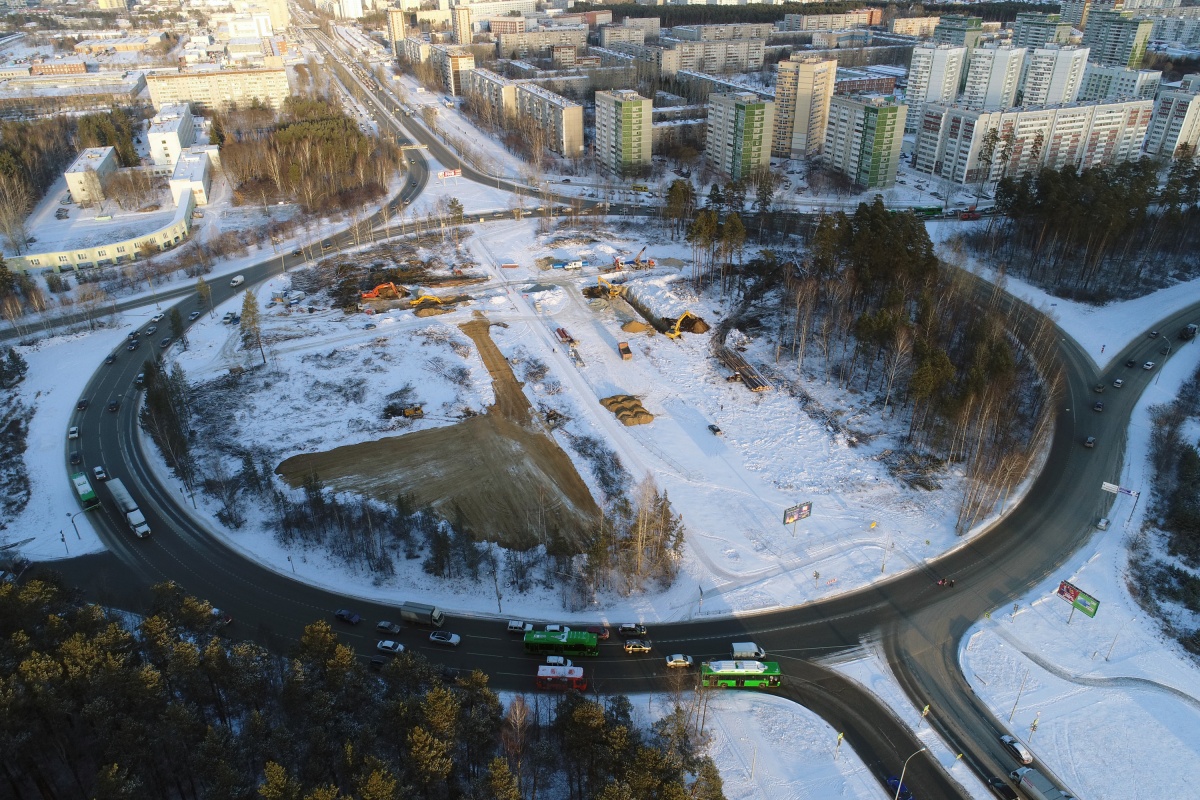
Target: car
point(192, 317)
point(1153, 334)
point(387, 627)
point(227, 318)
point(1131, 363)
point(326, 245)
point(75, 457)
point(637, 646)
point(1098, 388)
point(99, 473)
point(445, 637)
point(140, 380)
point(347, 616)
point(377, 663)
point(1118, 383)
point(1098, 406)
point(370, 326)
point(389, 647)
point(114, 404)
point(601, 632)
point(134, 345)
point(1148, 365)
point(566, 180)
point(110, 358)
point(151, 329)
point(82, 404)
point(1014, 746)
point(559, 661)
point(1002, 789)
point(157, 318)
point(901, 792)
point(297, 252)
point(715, 430)
point(165, 343)
point(679, 660)
point(73, 432)
point(1089, 441)
point(557, 629)
point(221, 618)
point(631, 629)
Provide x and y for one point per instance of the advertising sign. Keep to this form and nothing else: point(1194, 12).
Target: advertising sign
point(1078, 598)
point(797, 513)
point(450, 173)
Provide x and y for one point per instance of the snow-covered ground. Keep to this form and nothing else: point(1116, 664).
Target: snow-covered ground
point(771, 456)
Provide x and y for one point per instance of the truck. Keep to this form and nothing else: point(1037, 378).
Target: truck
point(1188, 332)
point(129, 510)
point(422, 614)
point(1036, 785)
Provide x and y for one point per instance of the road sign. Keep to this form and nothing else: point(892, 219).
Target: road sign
point(1078, 598)
point(797, 513)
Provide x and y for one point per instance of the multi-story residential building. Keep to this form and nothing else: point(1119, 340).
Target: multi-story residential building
point(461, 24)
point(397, 25)
point(1052, 75)
point(564, 56)
point(1110, 83)
point(114, 5)
point(714, 33)
point(562, 119)
point(1181, 28)
point(739, 128)
point(958, 30)
point(612, 34)
point(171, 131)
point(1034, 30)
point(415, 50)
point(499, 25)
point(451, 62)
point(212, 90)
point(933, 77)
point(496, 91)
point(863, 18)
point(860, 81)
point(1116, 38)
point(651, 25)
point(623, 130)
point(540, 41)
point(914, 26)
point(672, 55)
point(98, 161)
point(954, 142)
point(803, 89)
point(832, 40)
point(1175, 123)
point(863, 139)
point(993, 77)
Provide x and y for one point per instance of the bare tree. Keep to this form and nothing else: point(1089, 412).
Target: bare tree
point(15, 201)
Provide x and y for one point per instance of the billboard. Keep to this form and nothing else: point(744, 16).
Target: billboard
point(450, 173)
point(797, 513)
point(1078, 599)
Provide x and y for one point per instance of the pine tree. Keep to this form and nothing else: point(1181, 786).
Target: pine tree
point(250, 326)
point(501, 785)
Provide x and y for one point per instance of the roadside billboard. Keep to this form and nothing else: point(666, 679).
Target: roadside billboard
point(1078, 598)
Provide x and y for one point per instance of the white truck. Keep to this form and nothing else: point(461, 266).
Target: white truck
point(129, 510)
point(1037, 786)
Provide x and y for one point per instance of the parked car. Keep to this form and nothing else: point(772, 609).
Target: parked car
point(346, 615)
point(445, 637)
point(715, 430)
point(389, 647)
point(99, 473)
point(1014, 746)
point(387, 627)
point(679, 660)
point(637, 646)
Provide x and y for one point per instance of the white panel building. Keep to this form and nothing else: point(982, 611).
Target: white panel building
point(1052, 75)
point(1110, 83)
point(170, 132)
point(933, 77)
point(993, 77)
point(1176, 122)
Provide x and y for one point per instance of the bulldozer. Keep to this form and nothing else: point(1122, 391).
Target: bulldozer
point(386, 291)
point(687, 323)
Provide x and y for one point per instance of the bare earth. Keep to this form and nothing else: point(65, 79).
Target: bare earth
point(493, 475)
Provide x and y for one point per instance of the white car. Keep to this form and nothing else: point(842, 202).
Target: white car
point(100, 474)
point(73, 432)
point(557, 629)
point(1148, 365)
point(389, 647)
point(1118, 383)
point(445, 637)
point(157, 318)
point(679, 660)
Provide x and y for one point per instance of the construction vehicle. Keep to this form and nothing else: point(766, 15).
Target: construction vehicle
point(969, 214)
point(388, 290)
point(637, 261)
point(623, 349)
point(426, 299)
point(564, 337)
point(415, 410)
point(685, 324)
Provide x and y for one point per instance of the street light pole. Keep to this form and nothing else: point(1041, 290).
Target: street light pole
point(905, 769)
point(76, 527)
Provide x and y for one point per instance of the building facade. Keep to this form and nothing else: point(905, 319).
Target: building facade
point(914, 26)
point(171, 131)
point(959, 31)
point(863, 139)
point(99, 162)
point(462, 25)
point(739, 133)
point(993, 77)
point(1034, 30)
point(1175, 123)
point(1110, 83)
point(611, 34)
point(219, 89)
point(863, 18)
point(624, 136)
point(1116, 38)
point(540, 41)
point(451, 62)
point(803, 89)
point(1052, 75)
point(933, 77)
point(714, 33)
point(560, 118)
point(495, 91)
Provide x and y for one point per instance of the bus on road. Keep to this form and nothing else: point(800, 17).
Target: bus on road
point(561, 678)
point(740, 674)
point(571, 643)
point(84, 490)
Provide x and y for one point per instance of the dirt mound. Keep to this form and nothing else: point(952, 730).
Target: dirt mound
point(696, 326)
point(628, 409)
point(432, 311)
point(633, 326)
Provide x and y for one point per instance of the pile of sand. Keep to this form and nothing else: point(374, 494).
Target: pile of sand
point(628, 409)
point(633, 326)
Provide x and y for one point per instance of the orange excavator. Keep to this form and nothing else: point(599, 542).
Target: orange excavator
point(389, 290)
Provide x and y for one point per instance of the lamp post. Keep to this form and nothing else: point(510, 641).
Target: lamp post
point(905, 769)
point(76, 527)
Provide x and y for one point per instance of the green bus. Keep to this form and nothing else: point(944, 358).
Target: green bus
point(84, 489)
point(740, 674)
point(570, 643)
point(927, 212)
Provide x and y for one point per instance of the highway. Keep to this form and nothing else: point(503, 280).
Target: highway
point(920, 624)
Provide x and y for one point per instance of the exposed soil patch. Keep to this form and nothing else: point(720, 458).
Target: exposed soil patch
point(494, 474)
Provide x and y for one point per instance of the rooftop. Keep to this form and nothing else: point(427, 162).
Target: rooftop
point(91, 157)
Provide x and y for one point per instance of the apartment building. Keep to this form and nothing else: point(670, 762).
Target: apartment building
point(803, 88)
point(1110, 83)
point(561, 118)
point(415, 50)
point(993, 77)
point(933, 77)
point(540, 41)
point(1175, 122)
point(715, 33)
point(952, 142)
point(914, 26)
point(860, 81)
point(863, 18)
point(1116, 38)
point(1034, 30)
point(1177, 29)
point(498, 92)
point(651, 25)
point(219, 89)
point(1052, 75)
point(499, 25)
point(628, 34)
point(959, 31)
point(100, 161)
point(451, 62)
point(397, 25)
point(1077, 12)
point(673, 55)
point(623, 130)
point(863, 139)
point(740, 127)
point(462, 25)
point(171, 131)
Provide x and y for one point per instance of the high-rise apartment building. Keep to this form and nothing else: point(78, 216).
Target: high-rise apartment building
point(1116, 38)
point(933, 77)
point(540, 41)
point(958, 30)
point(1176, 122)
point(624, 131)
point(993, 77)
point(1110, 83)
point(460, 20)
point(714, 33)
point(740, 127)
point(863, 18)
point(397, 25)
point(452, 62)
point(953, 142)
point(1034, 30)
point(1052, 74)
point(219, 89)
point(863, 139)
point(803, 88)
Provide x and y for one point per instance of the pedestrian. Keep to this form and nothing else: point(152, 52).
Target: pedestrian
point(1101, 349)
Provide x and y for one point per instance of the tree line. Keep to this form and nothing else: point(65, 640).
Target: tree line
point(95, 705)
point(14, 430)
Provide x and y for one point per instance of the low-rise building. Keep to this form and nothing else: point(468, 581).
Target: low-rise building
point(86, 175)
point(63, 66)
point(193, 174)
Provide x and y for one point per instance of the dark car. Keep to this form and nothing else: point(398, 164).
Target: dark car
point(1131, 363)
point(901, 792)
point(75, 458)
point(631, 629)
point(1098, 406)
point(387, 627)
point(1089, 441)
point(715, 430)
point(377, 663)
point(112, 357)
point(166, 342)
point(114, 404)
point(1153, 334)
point(601, 632)
point(82, 404)
point(134, 345)
point(1098, 388)
point(348, 616)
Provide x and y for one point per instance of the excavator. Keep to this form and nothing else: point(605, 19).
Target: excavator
point(678, 330)
point(637, 260)
point(426, 299)
point(374, 294)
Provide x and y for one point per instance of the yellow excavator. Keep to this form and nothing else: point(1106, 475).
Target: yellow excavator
point(678, 328)
point(426, 299)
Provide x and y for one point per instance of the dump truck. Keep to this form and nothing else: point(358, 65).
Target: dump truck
point(129, 510)
point(623, 349)
point(421, 614)
point(1036, 785)
point(1188, 332)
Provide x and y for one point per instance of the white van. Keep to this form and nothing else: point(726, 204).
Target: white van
point(1102, 524)
point(558, 661)
point(517, 626)
point(746, 651)
point(238, 280)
